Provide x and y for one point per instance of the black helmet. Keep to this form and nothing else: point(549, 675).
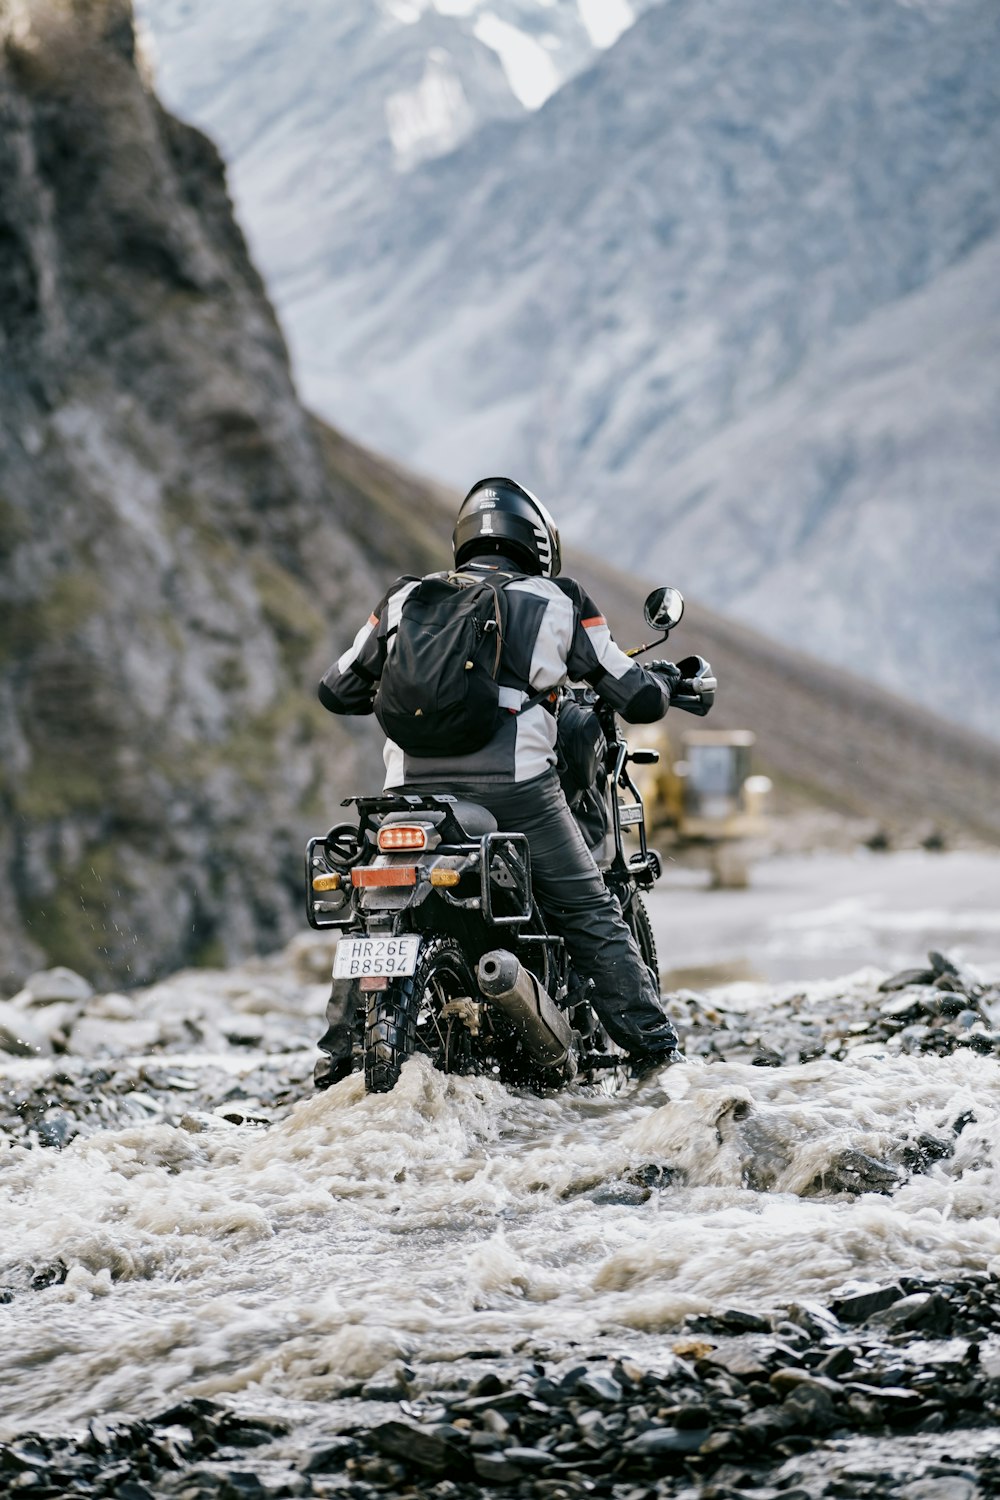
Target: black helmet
point(498, 515)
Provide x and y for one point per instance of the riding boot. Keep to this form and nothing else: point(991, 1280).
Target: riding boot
point(337, 1042)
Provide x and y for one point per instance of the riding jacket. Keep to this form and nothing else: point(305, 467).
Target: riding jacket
point(555, 634)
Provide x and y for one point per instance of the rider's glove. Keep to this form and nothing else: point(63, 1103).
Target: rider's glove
point(668, 672)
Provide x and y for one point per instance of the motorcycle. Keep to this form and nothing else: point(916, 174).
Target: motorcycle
point(450, 954)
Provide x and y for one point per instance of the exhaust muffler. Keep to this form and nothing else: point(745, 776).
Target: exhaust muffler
point(544, 1029)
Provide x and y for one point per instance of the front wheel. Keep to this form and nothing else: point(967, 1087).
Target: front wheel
point(434, 1011)
point(643, 930)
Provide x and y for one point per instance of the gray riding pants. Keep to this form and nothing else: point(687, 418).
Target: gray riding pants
point(571, 890)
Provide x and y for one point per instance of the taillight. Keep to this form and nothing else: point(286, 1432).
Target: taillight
point(402, 836)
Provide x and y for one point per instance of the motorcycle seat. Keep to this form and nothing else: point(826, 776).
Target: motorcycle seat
point(473, 820)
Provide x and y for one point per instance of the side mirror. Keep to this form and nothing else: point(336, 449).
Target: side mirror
point(663, 608)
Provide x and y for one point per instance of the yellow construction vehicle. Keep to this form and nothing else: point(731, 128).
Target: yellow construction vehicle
point(709, 797)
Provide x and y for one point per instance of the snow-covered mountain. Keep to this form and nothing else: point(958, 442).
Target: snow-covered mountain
point(725, 298)
point(320, 108)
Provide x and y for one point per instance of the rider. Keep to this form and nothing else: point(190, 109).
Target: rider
point(554, 634)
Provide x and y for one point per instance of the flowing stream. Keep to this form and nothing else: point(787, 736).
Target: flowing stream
point(211, 1228)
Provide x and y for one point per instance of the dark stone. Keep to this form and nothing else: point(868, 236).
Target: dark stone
point(736, 1320)
point(568, 1380)
point(927, 1311)
point(528, 1458)
point(493, 1468)
point(663, 1442)
point(907, 977)
point(53, 1275)
point(814, 1319)
point(653, 1175)
point(56, 1130)
point(837, 1362)
point(768, 1423)
point(433, 1448)
point(902, 1007)
point(489, 1384)
point(332, 1455)
point(854, 1171)
point(920, 1154)
point(198, 1413)
point(691, 1417)
point(626, 1194)
point(863, 1305)
point(813, 1406)
point(954, 974)
point(598, 1385)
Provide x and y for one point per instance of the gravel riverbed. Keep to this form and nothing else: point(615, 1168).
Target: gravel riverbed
point(772, 1271)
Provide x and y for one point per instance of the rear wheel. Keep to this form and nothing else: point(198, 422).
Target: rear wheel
point(434, 1012)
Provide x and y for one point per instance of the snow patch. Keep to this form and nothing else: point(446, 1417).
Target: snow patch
point(530, 70)
point(605, 20)
point(431, 118)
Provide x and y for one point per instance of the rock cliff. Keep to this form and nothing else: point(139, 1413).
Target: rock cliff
point(176, 561)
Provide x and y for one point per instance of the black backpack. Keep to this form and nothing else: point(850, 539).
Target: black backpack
point(438, 693)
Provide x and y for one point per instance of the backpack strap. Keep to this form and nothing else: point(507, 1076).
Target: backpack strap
point(536, 698)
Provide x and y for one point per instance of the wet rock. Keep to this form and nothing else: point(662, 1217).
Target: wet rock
point(860, 1306)
point(855, 1172)
point(528, 1458)
point(904, 1007)
point(927, 1311)
point(385, 1388)
point(435, 1449)
point(623, 1193)
point(905, 978)
point(815, 1320)
point(812, 1405)
point(494, 1468)
point(94, 1037)
point(746, 1359)
point(794, 1378)
point(21, 1034)
point(655, 1175)
point(50, 985)
point(56, 1130)
point(489, 1384)
point(837, 1362)
point(53, 1275)
point(956, 975)
point(664, 1442)
point(598, 1385)
point(737, 1320)
point(921, 1154)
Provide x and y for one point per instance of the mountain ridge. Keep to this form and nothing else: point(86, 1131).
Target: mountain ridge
point(599, 296)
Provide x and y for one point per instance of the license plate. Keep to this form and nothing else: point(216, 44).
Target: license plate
point(630, 815)
point(358, 958)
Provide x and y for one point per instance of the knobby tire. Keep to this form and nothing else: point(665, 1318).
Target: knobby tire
point(402, 1019)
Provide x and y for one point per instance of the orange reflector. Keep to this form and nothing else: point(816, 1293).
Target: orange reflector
point(445, 877)
point(326, 882)
point(402, 836)
point(388, 875)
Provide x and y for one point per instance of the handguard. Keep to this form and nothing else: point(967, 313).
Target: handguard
point(695, 692)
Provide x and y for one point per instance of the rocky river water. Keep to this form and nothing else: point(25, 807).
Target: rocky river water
point(772, 1271)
